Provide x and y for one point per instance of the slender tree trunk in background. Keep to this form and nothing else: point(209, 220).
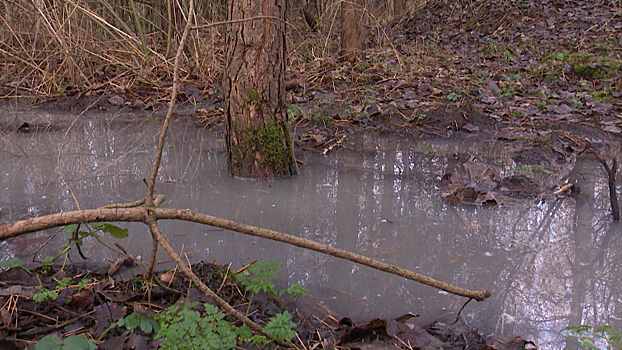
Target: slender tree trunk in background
point(352, 27)
point(399, 7)
point(256, 127)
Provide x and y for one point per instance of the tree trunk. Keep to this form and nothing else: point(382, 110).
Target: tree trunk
point(256, 127)
point(352, 26)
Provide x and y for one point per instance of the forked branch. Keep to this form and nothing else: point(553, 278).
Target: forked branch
point(145, 214)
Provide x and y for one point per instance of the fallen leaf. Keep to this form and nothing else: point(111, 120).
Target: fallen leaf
point(115, 266)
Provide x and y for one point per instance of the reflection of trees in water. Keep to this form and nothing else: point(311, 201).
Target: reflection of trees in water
point(562, 269)
point(549, 264)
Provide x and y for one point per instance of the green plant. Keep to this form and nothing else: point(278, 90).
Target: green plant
point(558, 56)
point(362, 65)
point(491, 48)
point(63, 283)
point(72, 342)
point(507, 55)
point(134, 320)
point(83, 283)
point(294, 111)
point(255, 97)
point(293, 291)
point(589, 336)
point(78, 235)
point(258, 278)
point(454, 96)
point(188, 329)
point(280, 327)
point(13, 262)
point(521, 168)
point(44, 294)
point(576, 103)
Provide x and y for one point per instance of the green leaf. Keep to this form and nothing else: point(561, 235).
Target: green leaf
point(148, 325)
point(73, 342)
point(83, 283)
point(15, 262)
point(64, 283)
point(115, 231)
point(51, 342)
point(280, 326)
point(70, 228)
point(294, 290)
point(76, 342)
point(44, 294)
point(244, 333)
point(132, 321)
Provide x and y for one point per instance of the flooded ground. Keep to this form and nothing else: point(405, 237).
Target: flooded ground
point(550, 262)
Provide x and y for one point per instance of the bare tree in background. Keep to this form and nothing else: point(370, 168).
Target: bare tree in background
point(352, 30)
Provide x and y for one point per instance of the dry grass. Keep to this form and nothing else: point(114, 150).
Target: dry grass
point(71, 47)
point(65, 47)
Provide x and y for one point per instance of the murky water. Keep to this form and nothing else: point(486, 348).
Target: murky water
point(549, 263)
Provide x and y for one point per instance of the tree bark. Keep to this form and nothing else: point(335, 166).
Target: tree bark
point(257, 130)
point(352, 27)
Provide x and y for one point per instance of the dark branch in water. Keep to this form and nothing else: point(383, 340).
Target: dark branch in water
point(613, 194)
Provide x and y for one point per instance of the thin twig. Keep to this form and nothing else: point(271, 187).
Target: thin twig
point(460, 311)
point(171, 105)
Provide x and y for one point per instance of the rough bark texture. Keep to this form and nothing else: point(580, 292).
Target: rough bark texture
point(352, 27)
point(257, 131)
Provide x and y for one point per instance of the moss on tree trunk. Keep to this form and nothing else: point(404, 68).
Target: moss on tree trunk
point(262, 152)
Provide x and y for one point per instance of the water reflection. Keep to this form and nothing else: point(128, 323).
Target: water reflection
point(549, 263)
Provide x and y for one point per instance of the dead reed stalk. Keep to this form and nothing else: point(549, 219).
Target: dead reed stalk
point(77, 46)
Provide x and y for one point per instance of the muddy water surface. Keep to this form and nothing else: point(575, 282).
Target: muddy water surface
point(549, 262)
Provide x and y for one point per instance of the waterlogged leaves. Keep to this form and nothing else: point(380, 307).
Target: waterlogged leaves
point(473, 183)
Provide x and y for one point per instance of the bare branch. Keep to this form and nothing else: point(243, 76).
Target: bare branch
point(144, 214)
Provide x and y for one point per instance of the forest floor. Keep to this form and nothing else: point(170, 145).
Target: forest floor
point(544, 77)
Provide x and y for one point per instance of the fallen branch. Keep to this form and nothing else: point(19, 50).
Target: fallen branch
point(157, 236)
point(146, 214)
